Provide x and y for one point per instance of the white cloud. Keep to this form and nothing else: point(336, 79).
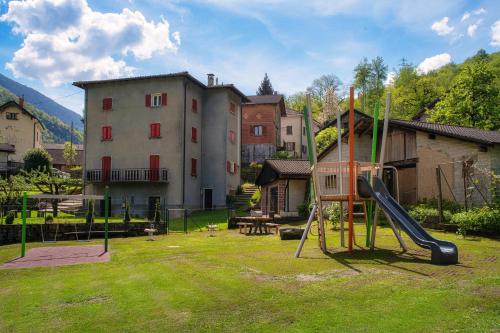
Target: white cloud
point(434, 62)
point(441, 27)
point(472, 28)
point(495, 34)
point(479, 11)
point(390, 78)
point(466, 16)
point(65, 40)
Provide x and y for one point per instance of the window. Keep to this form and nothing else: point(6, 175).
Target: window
point(194, 171)
point(156, 100)
point(106, 133)
point(11, 116)
point(231, 167)
point(289, 130)
point(106, 168)
point(232, 108)
point(154, 130)
point(107, 104)
point(290, 146)
point(331, 181)
point(194, 105)
point(232, 136)
point(194, 134)
point(257, 130)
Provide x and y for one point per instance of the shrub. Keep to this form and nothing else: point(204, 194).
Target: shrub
point(332, 213)
point(423, 213)
point(255, 199)
point(49, 219)
point(9, 218)
point(483, 220)
point(126, 217)
point(303, 209)
point(89, 218)
point(37, 159)
point(157, 216)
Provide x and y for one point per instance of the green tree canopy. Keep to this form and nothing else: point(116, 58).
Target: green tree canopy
point(69, 153)
point(473, 99)
point(265, 88)
point(37, 159)
point(325, 138)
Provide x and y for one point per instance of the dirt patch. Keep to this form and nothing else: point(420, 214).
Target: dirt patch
point(87, 300)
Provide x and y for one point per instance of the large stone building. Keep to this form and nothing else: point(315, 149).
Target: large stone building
point(167, 138)
point(261, 127)
point(20, 130)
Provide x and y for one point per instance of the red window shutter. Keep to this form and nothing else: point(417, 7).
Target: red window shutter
point(164, 99)
point(107, 103)
point(155, 130)
point(106, 168)
point(154, 167)
point(194, 134)
point(194, 105)
point(148, 100)
point(106, 133)
point(193, 167)
point(235, 167)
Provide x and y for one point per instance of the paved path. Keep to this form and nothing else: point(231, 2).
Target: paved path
point(60, 256)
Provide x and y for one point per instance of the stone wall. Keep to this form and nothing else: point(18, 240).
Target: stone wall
point(11, 234)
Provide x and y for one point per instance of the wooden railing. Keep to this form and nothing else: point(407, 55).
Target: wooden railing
point(126, 175)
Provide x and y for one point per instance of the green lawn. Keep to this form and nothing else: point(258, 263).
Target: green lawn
point(237, 283)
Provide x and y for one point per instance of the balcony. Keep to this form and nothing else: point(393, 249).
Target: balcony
point(126, 176)
point(10, 167)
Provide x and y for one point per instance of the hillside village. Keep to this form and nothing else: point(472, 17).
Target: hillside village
point(177, 201)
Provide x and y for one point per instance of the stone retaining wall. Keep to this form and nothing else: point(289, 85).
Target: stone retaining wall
point(11, 234)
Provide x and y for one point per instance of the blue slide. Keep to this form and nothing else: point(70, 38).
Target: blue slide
point(442, 252)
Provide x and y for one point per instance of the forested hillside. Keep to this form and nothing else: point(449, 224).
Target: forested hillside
point(55, 130)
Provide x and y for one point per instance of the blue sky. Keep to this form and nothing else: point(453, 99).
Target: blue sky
point(49, 44)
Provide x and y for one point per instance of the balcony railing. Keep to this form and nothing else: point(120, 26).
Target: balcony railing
point(11, 166)
point(126, 175)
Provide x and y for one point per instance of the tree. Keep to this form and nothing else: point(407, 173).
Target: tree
point(48, 183)
point(362, 74)
point(378, 75)
point(321, 85)
point(11, 189)
point(298, 101)
point(37, 159)
point(265, 88)
point(473, 99)
point(325, 138)
point(69, 153)
point(282, 155)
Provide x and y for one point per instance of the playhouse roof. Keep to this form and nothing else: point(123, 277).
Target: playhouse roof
point(274, 169)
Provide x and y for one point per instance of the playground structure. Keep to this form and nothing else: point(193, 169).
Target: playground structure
point(352, 181)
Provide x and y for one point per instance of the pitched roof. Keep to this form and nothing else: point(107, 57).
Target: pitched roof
point(14, 103)
point(274, 169)
point(292, 112)
point(265, 99)
point(185, 74)
point(56, 150)
point(290, 167)
point(458, 132)
point(231, 87)
point(7, 147)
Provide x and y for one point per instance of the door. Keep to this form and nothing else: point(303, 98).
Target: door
point(151, 207)
point(154, 167)
point(274, 200)
point(106, 168)
point(207, 198)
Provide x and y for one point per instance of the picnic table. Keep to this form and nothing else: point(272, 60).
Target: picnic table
point(255, 223)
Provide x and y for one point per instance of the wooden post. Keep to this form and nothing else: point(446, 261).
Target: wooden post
point(351, 167)
point(341, 177)
point(464, 175)
point(440, 194)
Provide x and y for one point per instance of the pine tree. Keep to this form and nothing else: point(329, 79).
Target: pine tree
point(265, 88)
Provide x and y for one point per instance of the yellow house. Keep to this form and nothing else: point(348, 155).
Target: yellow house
point(19, 128)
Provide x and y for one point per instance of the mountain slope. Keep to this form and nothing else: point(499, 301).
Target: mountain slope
point(55, 130)
point(42, 102)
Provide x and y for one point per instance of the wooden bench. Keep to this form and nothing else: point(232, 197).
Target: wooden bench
point(274, 226)
point(244, 226)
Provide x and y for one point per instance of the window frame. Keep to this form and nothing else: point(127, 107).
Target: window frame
point(232, 107)
point(194, 105)
point(194, 167)
point(289, 130)
point(258, 133)
point(194, 134)
point(156, 97)
point(107, 104)
point(105, 130)
point(12, 116)
point(155, 130)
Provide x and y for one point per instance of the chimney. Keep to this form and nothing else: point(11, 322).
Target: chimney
point(21, 101)
point(216, 81)
point(210, 80)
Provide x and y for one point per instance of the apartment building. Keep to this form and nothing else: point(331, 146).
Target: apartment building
point(167, 138)
point(20, 130)
point(261, 127)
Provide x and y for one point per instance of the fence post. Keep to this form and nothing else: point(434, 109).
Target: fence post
point(23, 232)
point(464, 175)
point(185, 220)
point(440, 194)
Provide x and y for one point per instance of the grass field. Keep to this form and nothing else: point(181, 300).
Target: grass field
point(237, 283)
